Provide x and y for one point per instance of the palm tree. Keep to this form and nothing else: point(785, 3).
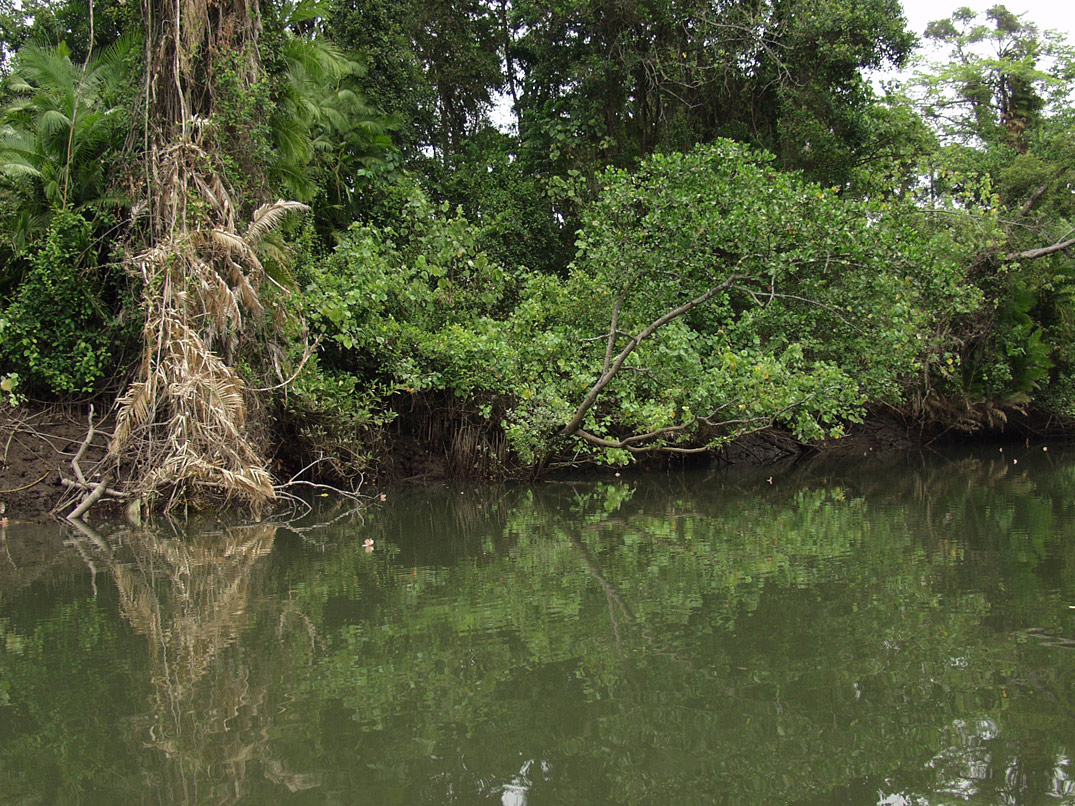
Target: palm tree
point(60, 135)
point(328, 140)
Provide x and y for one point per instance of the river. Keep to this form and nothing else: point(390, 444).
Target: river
point(897, 633)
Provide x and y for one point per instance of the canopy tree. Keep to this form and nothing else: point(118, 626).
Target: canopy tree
point(606, 84)
point(438, 64)
point(615, 81)
point(1001, 102)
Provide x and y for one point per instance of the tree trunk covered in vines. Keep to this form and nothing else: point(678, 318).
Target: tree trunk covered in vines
point(182, 427)
point(183, 40)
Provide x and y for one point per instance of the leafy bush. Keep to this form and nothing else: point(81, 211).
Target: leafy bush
point(57, 334)
point(813, 306)
point(409, 305)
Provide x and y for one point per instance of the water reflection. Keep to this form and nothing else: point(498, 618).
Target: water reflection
point(190, 596)
point(838, 636)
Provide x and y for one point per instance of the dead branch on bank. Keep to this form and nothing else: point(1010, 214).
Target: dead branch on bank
point(93, 491)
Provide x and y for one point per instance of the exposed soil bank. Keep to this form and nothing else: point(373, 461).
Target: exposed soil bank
point(38, 442)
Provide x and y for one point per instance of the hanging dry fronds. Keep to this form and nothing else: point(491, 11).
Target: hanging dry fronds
point(182, 424)
point(182, 428)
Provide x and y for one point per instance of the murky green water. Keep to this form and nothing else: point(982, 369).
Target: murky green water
point(889, 635)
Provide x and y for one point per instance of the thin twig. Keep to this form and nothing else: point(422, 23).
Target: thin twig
point(44, 476)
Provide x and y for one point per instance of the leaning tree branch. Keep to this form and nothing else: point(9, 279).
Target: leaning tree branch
point(613, 368)
point(1038, 191)
point(1033, 254)
point(613, 330)
point(632, 442)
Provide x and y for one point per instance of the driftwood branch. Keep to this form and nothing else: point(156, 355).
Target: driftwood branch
point(75, 485)
point(94, 492)
point(91, 498)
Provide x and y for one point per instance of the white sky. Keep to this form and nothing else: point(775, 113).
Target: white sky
point(1046, 14)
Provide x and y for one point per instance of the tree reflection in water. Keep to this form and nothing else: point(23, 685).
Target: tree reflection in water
point(211, 715)
point(837, 637)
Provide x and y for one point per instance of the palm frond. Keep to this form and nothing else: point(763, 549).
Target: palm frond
point(268, 217)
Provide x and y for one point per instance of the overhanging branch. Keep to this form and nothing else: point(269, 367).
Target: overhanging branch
point(1033, 254)
point(750, 425)
point(612, 368)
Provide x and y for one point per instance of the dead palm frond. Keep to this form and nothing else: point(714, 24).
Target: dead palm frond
point(268, 217)
point(183, 422)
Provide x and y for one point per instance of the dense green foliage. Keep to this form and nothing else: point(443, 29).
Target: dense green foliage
point(704, 222)
point(829, 303)
point(57, 332)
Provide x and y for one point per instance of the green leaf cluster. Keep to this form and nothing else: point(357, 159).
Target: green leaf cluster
point(831, 303)
point(58, 334)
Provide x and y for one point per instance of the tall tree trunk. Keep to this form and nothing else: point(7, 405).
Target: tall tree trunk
point(182, 427)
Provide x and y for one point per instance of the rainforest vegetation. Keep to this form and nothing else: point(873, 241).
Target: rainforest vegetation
point(518, 234)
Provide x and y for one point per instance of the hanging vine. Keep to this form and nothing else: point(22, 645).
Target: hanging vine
point(183, 425)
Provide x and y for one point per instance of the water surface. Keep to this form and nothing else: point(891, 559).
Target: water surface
point(869, 634)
